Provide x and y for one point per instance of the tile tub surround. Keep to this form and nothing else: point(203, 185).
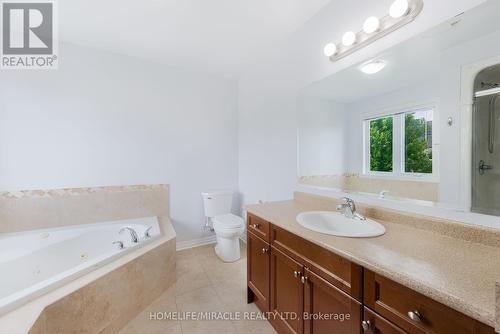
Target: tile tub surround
point(101, 290)
point(454, 264)
point(419, 190)
point(204, 284)
point(38, 209)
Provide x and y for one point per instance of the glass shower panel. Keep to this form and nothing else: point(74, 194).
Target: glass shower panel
point(486, 155)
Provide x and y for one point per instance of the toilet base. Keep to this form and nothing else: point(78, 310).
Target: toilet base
point(228, 249)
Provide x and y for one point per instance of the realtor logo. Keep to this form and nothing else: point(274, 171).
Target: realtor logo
point(28, 35)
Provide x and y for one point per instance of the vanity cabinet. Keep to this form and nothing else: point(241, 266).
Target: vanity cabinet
point(287, 293)
point(310, 290)
point(258, 256)
point(414, 312)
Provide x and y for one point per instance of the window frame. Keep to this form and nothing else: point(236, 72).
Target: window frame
point(398, 142)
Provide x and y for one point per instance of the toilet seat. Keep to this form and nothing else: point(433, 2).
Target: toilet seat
point(228, 222)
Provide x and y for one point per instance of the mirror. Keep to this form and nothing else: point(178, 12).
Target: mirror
point(409, 125)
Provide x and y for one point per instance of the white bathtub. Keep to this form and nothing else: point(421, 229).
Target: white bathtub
point(35, 262)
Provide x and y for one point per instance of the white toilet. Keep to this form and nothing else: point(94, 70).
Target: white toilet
point(228, 227)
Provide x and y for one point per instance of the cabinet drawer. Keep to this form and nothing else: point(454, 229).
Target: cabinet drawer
point(340, 272)
point(375, 324)
point(400, 304)
point(258, 226)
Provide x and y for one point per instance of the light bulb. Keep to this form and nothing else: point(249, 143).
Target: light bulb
point(349, 38)
point(373, 66)
point(399, 8)
point(371, 25)
point(330, 49)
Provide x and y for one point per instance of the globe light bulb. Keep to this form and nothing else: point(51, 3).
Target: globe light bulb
point(349, 38)
point(399, 8)
point(330, 49)
point(371, 25)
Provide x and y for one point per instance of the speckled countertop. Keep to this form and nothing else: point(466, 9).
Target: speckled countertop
point(456, 272)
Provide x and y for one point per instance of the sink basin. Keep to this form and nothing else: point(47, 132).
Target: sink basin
point(335, 223)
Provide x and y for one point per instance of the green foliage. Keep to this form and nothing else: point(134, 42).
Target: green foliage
point(417, 148)
point(381, 145)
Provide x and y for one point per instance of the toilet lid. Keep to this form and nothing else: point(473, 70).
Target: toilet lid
point(229, 220)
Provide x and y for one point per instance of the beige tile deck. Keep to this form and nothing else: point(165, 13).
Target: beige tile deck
point(204, 284)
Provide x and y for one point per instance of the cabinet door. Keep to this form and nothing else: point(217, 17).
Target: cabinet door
point(287, 293)
point(375, 324)
point(327, 309)
point(258, 271)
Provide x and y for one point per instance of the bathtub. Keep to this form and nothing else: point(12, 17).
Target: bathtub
point(36, 262)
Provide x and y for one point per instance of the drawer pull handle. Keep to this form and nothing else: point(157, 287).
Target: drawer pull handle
point(366, 325)
point(296, 274)
point(304, 279)
point(415, 316)
point(255, 226)
point(265, 250)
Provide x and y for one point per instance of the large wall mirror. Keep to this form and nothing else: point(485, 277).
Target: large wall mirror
point(418, 123)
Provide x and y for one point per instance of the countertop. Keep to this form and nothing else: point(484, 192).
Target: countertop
point(458, 273)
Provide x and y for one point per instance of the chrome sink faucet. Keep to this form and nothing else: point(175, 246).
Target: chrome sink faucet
point(133, 233)
point(349, 209)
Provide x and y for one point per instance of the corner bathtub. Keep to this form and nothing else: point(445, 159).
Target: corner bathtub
point(35, 262)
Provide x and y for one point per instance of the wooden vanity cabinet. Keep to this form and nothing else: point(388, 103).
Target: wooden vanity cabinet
point(321, 298)
point(297, 281)
point(258, 265)
point(414, 312)
point(287, 293)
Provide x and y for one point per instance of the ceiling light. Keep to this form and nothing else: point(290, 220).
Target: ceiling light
point(349, 38)
point(399, 8)
point(373, 66)
point(330, 49)
point(371, 25)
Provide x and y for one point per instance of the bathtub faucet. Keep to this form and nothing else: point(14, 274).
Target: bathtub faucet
point(133, 233)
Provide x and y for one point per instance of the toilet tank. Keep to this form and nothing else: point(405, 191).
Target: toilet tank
point(217, 202)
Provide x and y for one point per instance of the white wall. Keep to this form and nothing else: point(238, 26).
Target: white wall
point(321, 137)
point(268, 91)
point(106, 119)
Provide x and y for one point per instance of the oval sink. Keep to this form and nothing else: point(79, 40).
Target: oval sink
point(334, 223)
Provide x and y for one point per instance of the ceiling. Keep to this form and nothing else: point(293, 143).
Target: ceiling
point(413, 61)
point(215, 36)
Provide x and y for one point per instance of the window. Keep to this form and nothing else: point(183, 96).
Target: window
point(400, 144)
point(381, 133)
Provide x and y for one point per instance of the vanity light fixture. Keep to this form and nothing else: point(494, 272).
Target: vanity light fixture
point(373, 66)
point(400, 13)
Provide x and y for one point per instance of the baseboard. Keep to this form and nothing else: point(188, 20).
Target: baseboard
point(181, 245)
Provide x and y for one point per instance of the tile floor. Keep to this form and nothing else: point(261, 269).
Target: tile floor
point(204, 284)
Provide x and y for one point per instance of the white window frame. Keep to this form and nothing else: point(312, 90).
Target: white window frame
point(398, 142)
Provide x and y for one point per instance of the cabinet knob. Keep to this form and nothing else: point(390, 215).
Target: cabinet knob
point(296, 274)
point(304, 279)
point(366, 325)
point(265, 250)
point(255, 226)
point(415, 316)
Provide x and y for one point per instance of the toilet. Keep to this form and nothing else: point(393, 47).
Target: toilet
point(228, 227)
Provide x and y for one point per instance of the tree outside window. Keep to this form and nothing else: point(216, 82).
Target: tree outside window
point(381, 134)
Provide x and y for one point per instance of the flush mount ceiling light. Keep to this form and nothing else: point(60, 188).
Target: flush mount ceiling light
point(400, 13)
point(373, 66)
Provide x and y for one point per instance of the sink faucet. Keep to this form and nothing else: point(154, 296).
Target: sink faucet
point(350, 209)
point(133, 233)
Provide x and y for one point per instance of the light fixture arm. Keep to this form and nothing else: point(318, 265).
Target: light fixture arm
point(388, 24)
